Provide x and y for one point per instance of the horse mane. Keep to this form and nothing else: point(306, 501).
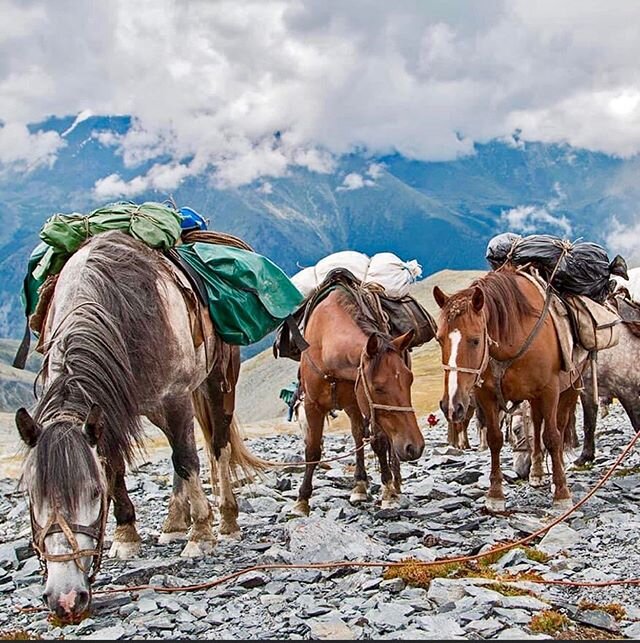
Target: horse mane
point(503, 299)
point(108, 351)
point(367, 325)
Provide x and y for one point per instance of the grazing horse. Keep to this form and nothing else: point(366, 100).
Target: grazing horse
point(118, 344)
point(351, 365)
point(498, 344)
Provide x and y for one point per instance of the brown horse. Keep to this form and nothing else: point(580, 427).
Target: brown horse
point(499, 345)
point(351, 365)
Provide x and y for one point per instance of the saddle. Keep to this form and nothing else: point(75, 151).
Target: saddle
point(392, 315)
point(218, 353)
point(627, 309)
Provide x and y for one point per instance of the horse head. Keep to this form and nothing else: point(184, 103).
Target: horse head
point(464, 343)
point(383, 391)
point(67, 490)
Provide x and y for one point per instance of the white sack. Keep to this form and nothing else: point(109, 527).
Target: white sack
point(392, 273)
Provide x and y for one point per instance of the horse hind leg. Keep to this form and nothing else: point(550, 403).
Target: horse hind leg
point(536, 474)
point(315, 418)
point(225, 446)
point(189, 514)
point(359, 493)
point(556, 419)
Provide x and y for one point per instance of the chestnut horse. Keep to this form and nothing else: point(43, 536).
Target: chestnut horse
point(350, 364)
point(498, 344)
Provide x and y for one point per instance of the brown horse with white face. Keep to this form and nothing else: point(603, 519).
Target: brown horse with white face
point(351, 365)
point(499, 344)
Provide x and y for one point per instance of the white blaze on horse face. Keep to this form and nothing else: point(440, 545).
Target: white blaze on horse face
point(66, 577)
point(452, 385)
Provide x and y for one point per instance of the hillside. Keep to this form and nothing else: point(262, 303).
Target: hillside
point(262, 376)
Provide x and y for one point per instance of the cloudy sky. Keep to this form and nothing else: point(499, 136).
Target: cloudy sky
point(211, 81)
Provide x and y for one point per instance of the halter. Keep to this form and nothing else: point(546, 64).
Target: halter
point(373, 406)
point(57, 523)
point(488, 342)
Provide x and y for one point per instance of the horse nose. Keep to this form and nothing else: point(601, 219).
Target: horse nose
point(413, 452)
point(458, 413)
point(71, 604)
point(444, 407)
point(82, 602)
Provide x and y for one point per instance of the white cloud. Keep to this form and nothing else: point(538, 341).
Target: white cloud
point(625, 240)
point(353, 181)
point(528, 219)
point(25, 150)
point(209, 84)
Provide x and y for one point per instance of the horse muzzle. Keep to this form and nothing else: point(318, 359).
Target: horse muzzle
point(454, 413)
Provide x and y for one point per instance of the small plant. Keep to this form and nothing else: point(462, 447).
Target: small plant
point(18, 635)
point(549, 622)
point(615, 609)
point(510, 590)
point(627, 471)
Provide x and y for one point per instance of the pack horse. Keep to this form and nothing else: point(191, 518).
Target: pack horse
point(118, 344)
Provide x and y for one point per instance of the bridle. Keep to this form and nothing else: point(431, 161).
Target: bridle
point(374, 406)
point(57, 523)
point(478, 372)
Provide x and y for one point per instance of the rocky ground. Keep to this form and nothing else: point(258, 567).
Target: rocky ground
point(441, 515)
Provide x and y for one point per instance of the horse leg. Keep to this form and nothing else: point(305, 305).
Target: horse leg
point(536, 473)
point(312, 453)
point(359, 491)
point(631, 404)
point(567, 417)
point(589, 420)
point(126, 540)
point(553, 413)
point(188, 505)
point(382, 448)
point(495, 496)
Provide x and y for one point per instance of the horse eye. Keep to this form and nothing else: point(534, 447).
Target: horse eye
point(475, 341)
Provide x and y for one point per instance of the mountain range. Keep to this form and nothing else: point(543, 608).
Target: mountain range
point(440, 213)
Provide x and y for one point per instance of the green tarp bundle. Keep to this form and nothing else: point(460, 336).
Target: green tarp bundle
point(156, 224)
point(249, 295)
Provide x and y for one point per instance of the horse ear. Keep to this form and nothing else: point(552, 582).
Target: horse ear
point(440, 297)
point(477, 299)
point(93, 425)
point(373, 345)
point(402, 342)
point(28, 428)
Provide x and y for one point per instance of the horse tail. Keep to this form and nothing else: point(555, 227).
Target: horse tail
point(242, 464)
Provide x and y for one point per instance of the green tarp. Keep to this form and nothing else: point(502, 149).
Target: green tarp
point(249, 295)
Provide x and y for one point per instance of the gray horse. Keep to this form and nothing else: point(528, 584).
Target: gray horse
point(619, 377)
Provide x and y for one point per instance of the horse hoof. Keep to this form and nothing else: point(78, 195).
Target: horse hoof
point(124, 551)
point(583, 461)
point(358, 496)
point(301, 509)
point(537, 481)
point(198, 549)
point(171, 536)
point(229, 533)
point(563, 504)
point(495, 505)
point(389, 503)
